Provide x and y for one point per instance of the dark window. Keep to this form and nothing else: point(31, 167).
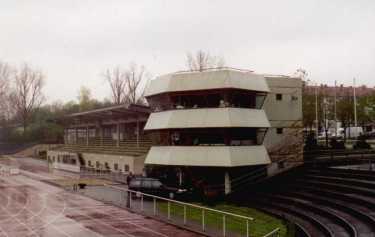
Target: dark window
point(279, 96)
point(279, 130)
point(97, 164)
point(58, 158)
point(115, 166)
point(89, 162)
point(126, 168)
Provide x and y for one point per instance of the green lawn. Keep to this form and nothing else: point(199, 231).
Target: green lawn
point(261, 225)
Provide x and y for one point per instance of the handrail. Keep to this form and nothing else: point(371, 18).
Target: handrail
point(214, 69)
point(202, 224)
point(181, 203)
point(275, 231)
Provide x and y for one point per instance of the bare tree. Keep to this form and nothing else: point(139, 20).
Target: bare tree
point(135, 79)
point(27, 94)
point(301, 73)
point(4, 78)
point(116, 80)
point(202, 60)
point(5, 72)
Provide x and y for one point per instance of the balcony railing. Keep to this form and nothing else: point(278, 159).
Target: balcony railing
point(108, 145)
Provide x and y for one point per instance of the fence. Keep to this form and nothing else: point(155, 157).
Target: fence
point(194, 217)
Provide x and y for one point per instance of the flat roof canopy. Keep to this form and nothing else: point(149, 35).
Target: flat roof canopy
point(208, 118)
point(112, 112)
point(210, 156)
point(223, 78)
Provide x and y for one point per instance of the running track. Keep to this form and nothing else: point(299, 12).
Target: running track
point(29, 207)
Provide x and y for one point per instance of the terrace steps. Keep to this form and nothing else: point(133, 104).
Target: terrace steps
point(324, 202)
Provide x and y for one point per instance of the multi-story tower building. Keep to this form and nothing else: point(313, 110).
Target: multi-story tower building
point(208, 126)
point(283, 106)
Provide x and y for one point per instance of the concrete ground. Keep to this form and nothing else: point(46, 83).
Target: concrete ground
point(30, 207)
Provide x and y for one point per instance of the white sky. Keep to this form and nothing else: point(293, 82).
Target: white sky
point(74, 41)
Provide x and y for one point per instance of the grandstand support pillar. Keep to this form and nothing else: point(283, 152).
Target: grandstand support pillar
point(87, 135)
point(227, 183)
point(118, 134)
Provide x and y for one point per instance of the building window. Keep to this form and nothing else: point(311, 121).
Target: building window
point(58, 158)
point(115, 166)
point(89, 163)
point(279, 130)
point(97, 165)
point(126, 168)
point(53, 158)
point(279, 96)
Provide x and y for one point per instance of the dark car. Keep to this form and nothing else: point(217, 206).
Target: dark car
point(154, 187)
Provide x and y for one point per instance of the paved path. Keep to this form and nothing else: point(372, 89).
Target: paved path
point(29, 207)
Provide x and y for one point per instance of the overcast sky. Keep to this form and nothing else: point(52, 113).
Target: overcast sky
point(74, 41)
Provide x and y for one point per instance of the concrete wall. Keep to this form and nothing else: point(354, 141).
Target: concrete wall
point(136, 164)
point(285, 114)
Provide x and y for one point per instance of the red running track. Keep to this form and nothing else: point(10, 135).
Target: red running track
point(32, 208)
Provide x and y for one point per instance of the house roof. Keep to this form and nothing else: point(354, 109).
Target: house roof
point(115, 111)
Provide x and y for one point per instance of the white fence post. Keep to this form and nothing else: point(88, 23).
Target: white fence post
point(142, 202)
point(247, 228)
point(224, 227)
point(184, 214)
point(169, 210)
point(203, 221)
point(154, 206)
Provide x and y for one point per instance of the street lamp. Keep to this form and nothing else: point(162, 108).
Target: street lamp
point(316, 108)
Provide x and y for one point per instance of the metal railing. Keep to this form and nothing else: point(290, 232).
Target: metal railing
point(274, 233)
point(338, 154)
point(190, 216)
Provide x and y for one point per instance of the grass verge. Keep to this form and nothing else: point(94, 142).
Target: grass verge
point(261, 225)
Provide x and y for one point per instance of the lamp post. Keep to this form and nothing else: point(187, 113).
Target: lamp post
point(316, 111)
point(316, 108)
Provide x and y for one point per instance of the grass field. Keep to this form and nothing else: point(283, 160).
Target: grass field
point(261, 225)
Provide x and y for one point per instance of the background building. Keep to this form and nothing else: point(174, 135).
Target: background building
point(109, 139)
point(283, 106)
point(211, 129)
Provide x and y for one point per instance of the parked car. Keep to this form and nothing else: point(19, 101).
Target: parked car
point(156, 187)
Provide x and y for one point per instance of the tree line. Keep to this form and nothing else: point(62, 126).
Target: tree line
point(25, 114)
